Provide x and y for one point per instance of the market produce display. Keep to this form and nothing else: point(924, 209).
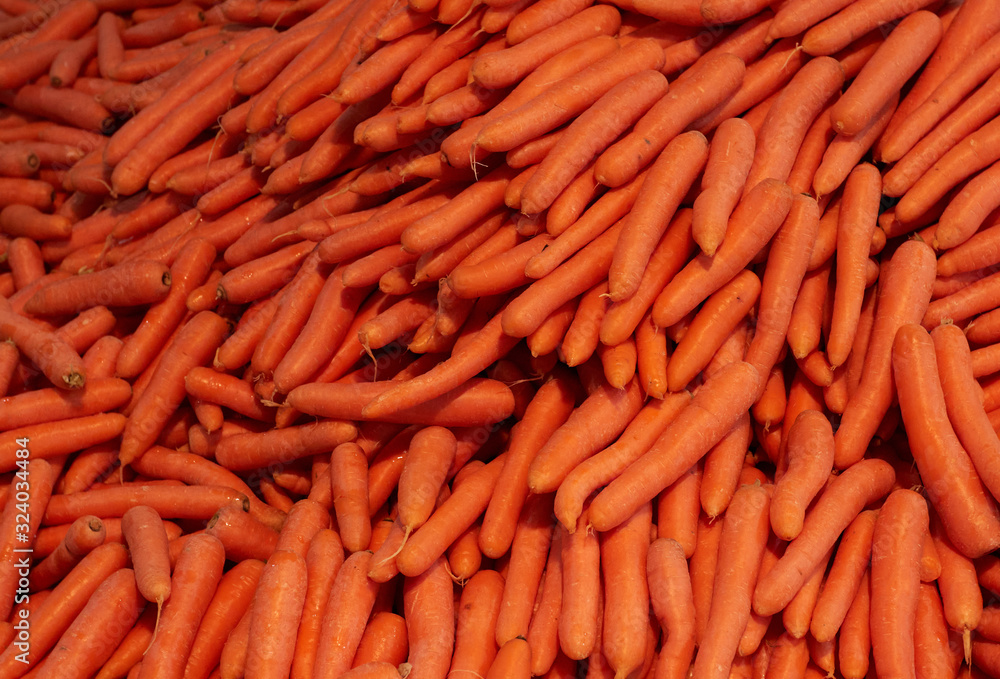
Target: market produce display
point(447, 338)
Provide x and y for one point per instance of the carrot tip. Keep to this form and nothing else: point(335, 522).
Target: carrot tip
point(74, 380)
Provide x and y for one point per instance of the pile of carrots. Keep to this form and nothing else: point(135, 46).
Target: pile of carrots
point(265, 271)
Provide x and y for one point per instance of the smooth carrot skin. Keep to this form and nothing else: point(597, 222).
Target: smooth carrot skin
point(429, 609)
point(710, 83)
point(836, 507)
point(98, 629)
point(543, 631)
point(961, 596)
point(324, 558)
point(384, 640)
point(729, 158)
point(60, 363)
point(428, 459)
point(968, 512)
point(936, 649)
point(856, 224)
point(669, 179)
point(744, 536)
point(809, 452)
point(854, 648)
point(752, 226)
point(904, 295)
point(449, 520)
point(528, 553)
point(578, 437)
point(512, 660)
point(702, 424)
point(478, 609)
point(626, 592)
point(899, 531)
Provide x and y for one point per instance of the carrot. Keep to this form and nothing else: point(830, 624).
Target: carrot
point(795, 17)
point(230, 603)
point(714, 322)
point(903, 52)
point(95, 633)
point(275, 615)
point(854, 20)
point(475, 646)
point(428, 605)
point(84, 535)
point(812, 436)
point(147, 541)
point(835, 508)
point(448, 521)
point(844, 152)
point(704, 275)
point(351, 599)
point(914, 364)
point(242, 536)
point(676, 450)
point(744, 535)
point(170, 501)
point(904, 293)
point(845, 577)
point(672, 601)
point(959, 586)
point(580, 558)
point(577, 439)
point(51, 404)
point(192, 346)
point(384, 640)
point(935, 647)
point(790, 117)
point(962, 402)
point(543, 631)
point(658, 199)
point(505, 67)
point(710, 83)
point(425, 467)
point(624, 552)
point(899, 530)
point(130, 650)
point(528, 553)
point(53, 356)
point(729, 159)
point(855, 633)
point(590, 134)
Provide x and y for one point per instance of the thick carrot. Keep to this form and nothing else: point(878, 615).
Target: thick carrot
point(626, 592)
point(904, 294)
point(903, 52)
point(809, 452)
point(837, 506)
point(350, 602)
point(429, 609)
point(695, 430)
point(147, 540)
point(349, 479)
point(275, 615)
point(744, 536)
point(899, 530)
point(543, 631)
point(672, 601)
point(952, 484)
point(729, 159)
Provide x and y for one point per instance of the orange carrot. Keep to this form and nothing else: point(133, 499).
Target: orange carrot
point(730, 156)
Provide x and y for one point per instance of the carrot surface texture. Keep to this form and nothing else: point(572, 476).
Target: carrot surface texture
point(265, 271)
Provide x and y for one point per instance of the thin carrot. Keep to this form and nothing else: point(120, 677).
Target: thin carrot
point(844, 152)
point(845, 577)
point(528, 553)
point(854, 20)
